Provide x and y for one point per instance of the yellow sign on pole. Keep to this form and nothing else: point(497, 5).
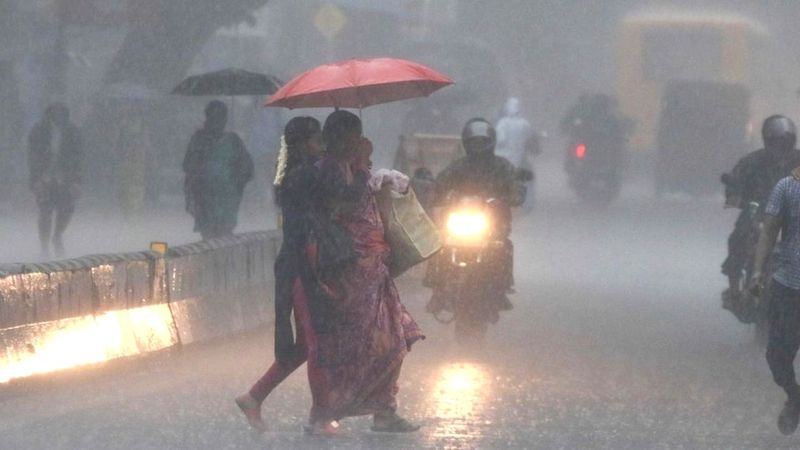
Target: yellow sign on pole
point(330, 20)
point(159, 247)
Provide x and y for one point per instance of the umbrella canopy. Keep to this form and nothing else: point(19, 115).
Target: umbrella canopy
point(228, 82)
point(359, 83)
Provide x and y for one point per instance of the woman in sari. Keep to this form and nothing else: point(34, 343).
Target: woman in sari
point(367, 331)
point(295, 182)
point(217, 168)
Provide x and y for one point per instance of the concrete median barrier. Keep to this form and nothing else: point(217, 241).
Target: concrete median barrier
point(88, 310)
point(221, 287)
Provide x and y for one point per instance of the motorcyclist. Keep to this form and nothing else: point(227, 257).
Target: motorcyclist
point(595, 117)
point(479, 173)
point(751, 181)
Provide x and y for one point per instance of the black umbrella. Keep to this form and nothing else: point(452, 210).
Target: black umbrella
point(228, 82)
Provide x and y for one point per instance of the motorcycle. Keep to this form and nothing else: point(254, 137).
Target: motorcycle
point(750, 307)
point(475, 252)
point(593, 166)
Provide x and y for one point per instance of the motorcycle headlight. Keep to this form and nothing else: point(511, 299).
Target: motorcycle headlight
point(469, 225)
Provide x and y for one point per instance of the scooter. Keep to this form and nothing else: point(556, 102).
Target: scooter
point(594, 167)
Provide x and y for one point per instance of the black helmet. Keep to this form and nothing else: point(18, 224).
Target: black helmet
point(478, 137)
point(779, 133)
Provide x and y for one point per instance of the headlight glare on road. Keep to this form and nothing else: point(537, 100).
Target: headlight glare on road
point(459, 396)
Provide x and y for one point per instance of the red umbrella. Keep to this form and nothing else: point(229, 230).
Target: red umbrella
point(359, 83)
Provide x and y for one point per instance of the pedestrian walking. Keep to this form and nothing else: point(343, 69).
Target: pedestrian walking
point(217, 167)
point(295, 185)
point(55, 161)
point(782, 215)
point(363, 333)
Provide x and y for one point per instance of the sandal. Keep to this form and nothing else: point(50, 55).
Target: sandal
point(252, 411)
point(394, 424)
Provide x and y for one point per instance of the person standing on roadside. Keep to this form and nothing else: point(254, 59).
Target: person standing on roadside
point(217, 168)
point(55, 161)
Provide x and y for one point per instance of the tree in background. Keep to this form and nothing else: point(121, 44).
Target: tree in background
point(162, 41)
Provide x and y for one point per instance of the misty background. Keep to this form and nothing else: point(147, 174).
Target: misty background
point(617, 338)
point(110, 60)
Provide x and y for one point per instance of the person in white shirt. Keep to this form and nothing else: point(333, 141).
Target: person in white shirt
point(516, 138)
point(517, 141)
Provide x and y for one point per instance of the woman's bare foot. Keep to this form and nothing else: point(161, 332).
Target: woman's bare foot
point(323, 428)
point(252, 411)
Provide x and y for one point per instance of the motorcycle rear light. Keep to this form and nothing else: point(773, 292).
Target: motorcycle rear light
point(580, 151)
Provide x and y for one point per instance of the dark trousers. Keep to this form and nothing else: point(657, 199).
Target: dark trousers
point(784, 335)
point(55, 201)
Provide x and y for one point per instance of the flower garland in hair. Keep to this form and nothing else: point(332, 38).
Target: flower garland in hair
point(283, 161)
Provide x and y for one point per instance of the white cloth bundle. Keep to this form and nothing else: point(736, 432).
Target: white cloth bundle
point(396, 181)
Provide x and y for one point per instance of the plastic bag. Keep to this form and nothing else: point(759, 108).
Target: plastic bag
point(411, 234)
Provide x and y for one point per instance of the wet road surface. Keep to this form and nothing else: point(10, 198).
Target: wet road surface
point(617, 341)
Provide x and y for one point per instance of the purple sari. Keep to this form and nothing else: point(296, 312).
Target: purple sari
point(370, 330)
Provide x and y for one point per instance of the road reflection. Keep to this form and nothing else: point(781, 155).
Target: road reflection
point(459, 397)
